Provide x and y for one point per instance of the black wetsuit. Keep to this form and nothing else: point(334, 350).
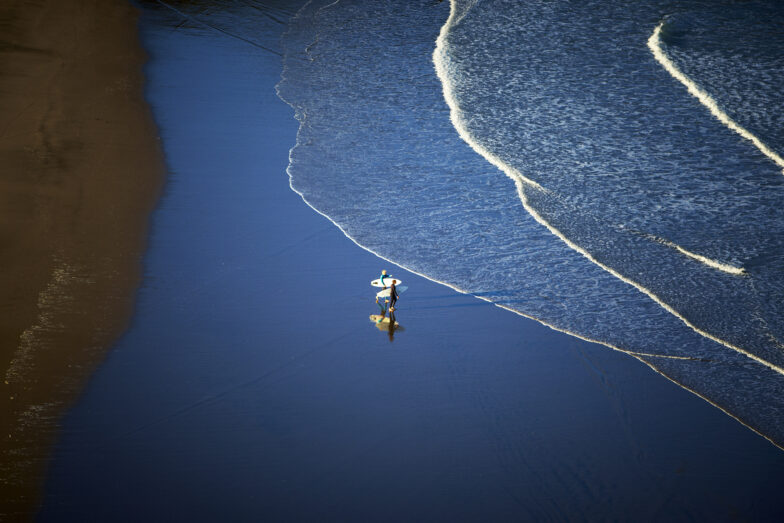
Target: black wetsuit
point(392, 296)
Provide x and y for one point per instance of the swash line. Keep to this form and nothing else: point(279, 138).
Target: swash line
point(441, 60)
point(654, 44)
point(702, 259)
point(638, 355)
point(299, 115)
point(711, 402)
point(730, 269)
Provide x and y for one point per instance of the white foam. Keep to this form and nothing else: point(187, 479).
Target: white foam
point(441, 62)
point(714, 264)
point(442, 66)
point(654, 44)
point(520, 182)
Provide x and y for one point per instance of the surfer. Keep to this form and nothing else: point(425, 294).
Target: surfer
point(384, 275)
point(392, 296)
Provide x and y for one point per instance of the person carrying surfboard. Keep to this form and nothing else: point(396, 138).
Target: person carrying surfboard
point(392, 296)
point(384, 275)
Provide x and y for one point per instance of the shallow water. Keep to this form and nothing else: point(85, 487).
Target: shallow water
point(630, 213)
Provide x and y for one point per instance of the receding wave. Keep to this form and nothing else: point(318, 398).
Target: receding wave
point(654, 43)
point(635, 231)
point(441, 62)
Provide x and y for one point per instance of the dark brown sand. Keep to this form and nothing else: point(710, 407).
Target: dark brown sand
point(81, 171)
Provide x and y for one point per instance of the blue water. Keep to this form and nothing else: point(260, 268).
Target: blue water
point(236, 396)
point(540, 156)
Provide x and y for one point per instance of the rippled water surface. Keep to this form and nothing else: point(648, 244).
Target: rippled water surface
point(609, 169)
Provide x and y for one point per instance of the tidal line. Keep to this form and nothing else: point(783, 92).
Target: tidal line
point(442, 65)
point(654, 44)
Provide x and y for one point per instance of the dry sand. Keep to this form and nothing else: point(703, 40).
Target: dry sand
point(81, 171)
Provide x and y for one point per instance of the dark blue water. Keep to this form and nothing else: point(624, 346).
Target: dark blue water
point(544, 159)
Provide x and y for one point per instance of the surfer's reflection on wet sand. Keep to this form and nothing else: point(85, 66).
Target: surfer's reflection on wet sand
point(386, 321)
point(391, 329)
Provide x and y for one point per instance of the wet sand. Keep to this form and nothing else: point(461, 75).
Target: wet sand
point(252, 386)
point(81, 171)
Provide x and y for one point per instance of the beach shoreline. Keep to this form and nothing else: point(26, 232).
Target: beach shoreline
point(252, 384)
point(82, 172)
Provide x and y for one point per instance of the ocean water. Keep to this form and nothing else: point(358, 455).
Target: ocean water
point(610, 169)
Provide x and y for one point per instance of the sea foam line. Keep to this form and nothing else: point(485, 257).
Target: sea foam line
point(702, 259)
point(713, 403)
point(441, 63)
point(301, 116)
point(654, 44)
point(719, 266)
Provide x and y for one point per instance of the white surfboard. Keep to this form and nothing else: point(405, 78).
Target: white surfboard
point(387, 282)
point(387, 292)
